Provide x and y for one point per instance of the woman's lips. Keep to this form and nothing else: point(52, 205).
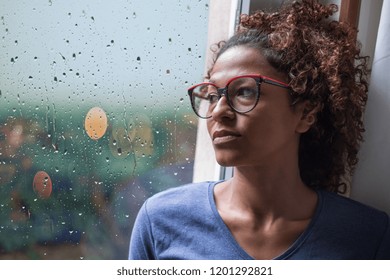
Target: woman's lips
point(224, 136)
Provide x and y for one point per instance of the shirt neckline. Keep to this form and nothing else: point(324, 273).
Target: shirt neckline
point(231, 240)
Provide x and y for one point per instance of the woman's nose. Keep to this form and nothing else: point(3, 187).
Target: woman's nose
point(222, 109)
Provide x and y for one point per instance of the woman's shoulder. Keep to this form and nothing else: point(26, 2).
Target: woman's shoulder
point(179, 199)
point(177, 194)
point(342, 205)
point(350, 214)
point(343, 228)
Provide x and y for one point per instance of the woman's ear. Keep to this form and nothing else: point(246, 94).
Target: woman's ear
point(308, 111)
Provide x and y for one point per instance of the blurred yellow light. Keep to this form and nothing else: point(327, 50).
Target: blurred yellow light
point(42, 184)
point(96, 123)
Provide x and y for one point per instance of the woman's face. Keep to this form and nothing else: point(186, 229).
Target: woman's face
point(270, 132)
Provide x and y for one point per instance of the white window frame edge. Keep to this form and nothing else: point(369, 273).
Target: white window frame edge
point(223, 19)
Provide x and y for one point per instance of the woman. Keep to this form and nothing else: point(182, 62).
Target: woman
point(283, 102)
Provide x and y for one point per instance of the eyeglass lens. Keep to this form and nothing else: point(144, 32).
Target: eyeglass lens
point(241, 93)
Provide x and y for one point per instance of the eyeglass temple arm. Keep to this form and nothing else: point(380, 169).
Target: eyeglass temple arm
point(268, 81)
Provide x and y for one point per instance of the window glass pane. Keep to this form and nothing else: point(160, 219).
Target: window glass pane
point(94, 119)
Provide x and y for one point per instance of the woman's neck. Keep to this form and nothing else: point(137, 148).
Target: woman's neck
point(266, 194)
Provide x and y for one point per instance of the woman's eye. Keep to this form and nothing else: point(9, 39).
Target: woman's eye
point(212, 97)
point(245, 93)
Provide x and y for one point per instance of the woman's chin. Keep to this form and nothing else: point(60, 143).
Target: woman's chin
point(226, 161)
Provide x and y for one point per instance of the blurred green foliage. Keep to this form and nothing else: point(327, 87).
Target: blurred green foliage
point(98, 185)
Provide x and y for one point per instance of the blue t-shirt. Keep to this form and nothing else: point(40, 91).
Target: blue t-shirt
point(184, 223)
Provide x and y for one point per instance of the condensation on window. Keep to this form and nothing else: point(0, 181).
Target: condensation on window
point(94, 119)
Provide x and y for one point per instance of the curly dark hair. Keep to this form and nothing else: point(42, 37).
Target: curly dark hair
point(322, 60)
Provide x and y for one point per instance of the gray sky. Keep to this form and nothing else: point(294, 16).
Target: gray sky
point(98, 51)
